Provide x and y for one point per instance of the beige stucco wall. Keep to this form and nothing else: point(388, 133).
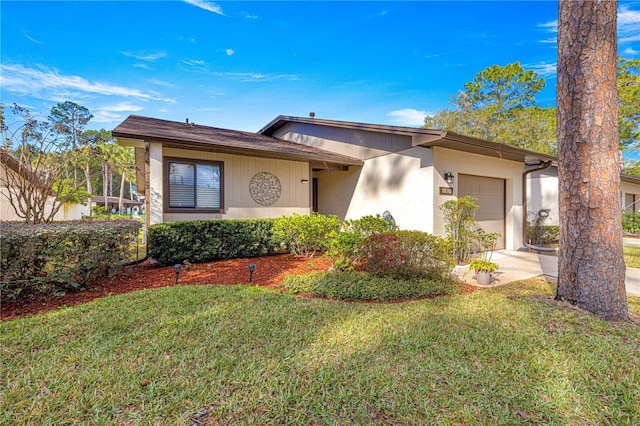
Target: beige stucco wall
point(457, 162)
point(67, 211)
point(542, 193)
point(238, 171)
point(397, 183)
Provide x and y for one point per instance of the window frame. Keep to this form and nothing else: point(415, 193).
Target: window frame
point(195, 162)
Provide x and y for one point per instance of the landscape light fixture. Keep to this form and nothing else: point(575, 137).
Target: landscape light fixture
point(177, 267)
point(252, 267)
point(449, 177)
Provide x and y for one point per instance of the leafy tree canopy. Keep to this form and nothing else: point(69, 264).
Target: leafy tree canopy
point(499, 105)
point(629, 109)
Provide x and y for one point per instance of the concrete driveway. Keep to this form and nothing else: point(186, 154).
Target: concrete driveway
point(520, 265)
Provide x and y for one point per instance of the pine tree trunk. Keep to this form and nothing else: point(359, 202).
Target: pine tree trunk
point(591, 264)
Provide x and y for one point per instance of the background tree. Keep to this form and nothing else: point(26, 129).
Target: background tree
point(69, 120)
point(629, 94)
point(591, 265)
point(520, 122)
point(632, 167)
point(33, 162)
point(499, 105)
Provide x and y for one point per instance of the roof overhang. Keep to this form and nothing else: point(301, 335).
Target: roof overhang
point(427, 138)
point(135, 130)
point(484, 147)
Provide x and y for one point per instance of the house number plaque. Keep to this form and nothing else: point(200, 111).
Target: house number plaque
point(445, 190)
point(265, 188)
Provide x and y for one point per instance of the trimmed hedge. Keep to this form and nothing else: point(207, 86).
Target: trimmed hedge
point(352, 285)
point(57, 257)
point(305, 235)
point(199, 241)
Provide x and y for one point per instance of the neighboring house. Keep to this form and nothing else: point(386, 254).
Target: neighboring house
point(113, 204)
point(542, 194)
point(68, 211)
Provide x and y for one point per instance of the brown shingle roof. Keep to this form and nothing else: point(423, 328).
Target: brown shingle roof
point(194, 136)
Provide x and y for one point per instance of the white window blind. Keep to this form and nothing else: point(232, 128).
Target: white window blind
point(194, 185)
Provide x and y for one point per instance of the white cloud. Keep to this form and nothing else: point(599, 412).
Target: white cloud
point(206, 5)
point(161, 83)
point(629, 39)
point(248, 16)
point(49, 84)
point(549, 40)
point(111, 113)
point(230, 52)
point(628, 26)
point(551, 26)
point(142, 66)
point(543, 68)
point(408, 116)
point(630, 51)
point(628, 17)
point(257, 77)
point(32, 39)
point(147, 56)
point(194, 65)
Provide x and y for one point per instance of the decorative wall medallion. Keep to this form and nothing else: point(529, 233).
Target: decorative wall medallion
point(265, 188)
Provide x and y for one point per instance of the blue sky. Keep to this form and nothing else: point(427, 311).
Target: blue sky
point(238, 65)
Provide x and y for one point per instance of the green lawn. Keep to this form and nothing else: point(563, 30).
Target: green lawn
point(508, 355)
point(632, 256)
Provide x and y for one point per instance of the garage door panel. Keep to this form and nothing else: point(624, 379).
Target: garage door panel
point(490, 196)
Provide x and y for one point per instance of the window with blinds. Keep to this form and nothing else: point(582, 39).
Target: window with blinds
point(194, 185)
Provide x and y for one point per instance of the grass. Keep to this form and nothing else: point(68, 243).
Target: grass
point(249, 355)
point(632, 256)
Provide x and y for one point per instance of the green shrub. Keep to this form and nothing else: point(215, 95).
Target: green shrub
point(207, 240)
point(306, 235)
point(408, 255)
point(62, 256)
point(353, 285)
point(544, 235)
point(459, 217)
point(631, 222)
point(344, 249)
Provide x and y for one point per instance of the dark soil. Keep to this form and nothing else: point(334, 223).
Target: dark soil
point(269, 272)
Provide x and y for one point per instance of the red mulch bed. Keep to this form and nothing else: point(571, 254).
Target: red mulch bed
point(269, 272)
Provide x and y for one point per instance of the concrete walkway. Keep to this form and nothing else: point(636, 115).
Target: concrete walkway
point(520, 265)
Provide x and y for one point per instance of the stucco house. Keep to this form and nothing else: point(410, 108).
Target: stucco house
point(542, 193)
point(12, 174)
point(304, 164)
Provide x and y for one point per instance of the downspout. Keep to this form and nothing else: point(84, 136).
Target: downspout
point(542, 165)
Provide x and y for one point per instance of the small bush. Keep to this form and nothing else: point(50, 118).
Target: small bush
point(545, 235)
point(344, 249)
point(306, 235)
point(353, 285)
point(408, 255)
point(207, 240)
point(459, 217)
point(631, 222)
point(62, 256)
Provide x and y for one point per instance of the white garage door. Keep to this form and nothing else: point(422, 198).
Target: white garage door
point(490, 199)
